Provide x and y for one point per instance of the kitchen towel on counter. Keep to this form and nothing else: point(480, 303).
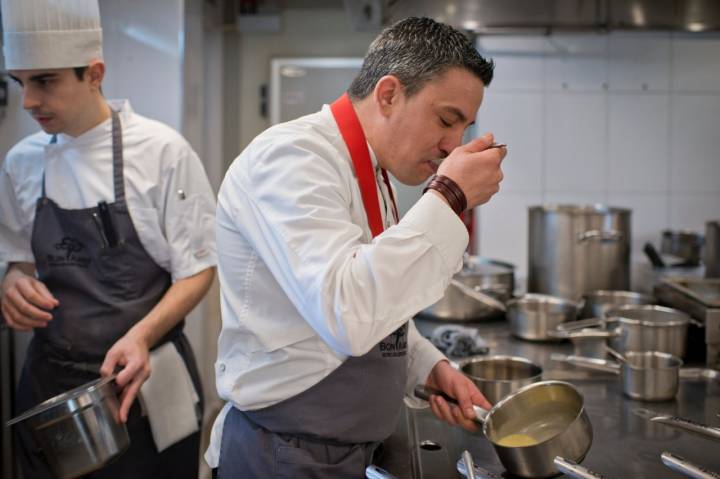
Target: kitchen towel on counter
point(169, 398)
point(458, 342)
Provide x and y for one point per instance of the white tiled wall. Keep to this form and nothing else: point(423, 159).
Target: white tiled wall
point(626, 119)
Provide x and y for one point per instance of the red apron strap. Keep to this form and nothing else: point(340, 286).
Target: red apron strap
point(352, 133)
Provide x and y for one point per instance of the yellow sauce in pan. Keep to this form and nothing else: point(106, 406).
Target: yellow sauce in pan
point(517, 440)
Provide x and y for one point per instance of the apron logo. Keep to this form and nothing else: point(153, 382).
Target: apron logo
point(71, 246)
point(397, 344)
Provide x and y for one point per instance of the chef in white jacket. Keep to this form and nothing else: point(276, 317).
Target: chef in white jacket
point(319, 277)
point(106, 221)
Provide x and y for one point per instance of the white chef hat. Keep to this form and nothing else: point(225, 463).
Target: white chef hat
point(44, 34)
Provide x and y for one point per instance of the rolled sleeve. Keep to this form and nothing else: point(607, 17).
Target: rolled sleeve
point(189, 216)
point(15, 227)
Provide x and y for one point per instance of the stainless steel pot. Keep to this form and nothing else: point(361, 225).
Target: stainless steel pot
point(498, 376)
point(645, 376)
point(487, 276)
point(79, 431)
point(574, 250)
point(533, 316)
point(548, 417)
point(649, 328)
point(598, 302)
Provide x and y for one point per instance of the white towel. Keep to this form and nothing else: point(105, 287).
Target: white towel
point(169, 397)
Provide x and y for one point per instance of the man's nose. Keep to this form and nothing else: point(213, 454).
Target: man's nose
point(31, 100)
point(450, 141)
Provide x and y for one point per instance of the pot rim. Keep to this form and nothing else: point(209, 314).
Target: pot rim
point(616, 314)
point(510, 397)
point(500, 357)
point(575, 209)
point(674, 359)
point(62, 399)
point(599, 293)
point(537, 298)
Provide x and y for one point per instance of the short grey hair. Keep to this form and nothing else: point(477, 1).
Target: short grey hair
point(416, 50)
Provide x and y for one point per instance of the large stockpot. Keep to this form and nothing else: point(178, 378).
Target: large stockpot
point(533, 425)
point(649, 328)
point(79, 431)
point(498, 376)
point(574, 250)
point(533, 316)
point(598, 302)
point(491, 277)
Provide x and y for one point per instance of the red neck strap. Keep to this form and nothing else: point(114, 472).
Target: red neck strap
point(352, 133)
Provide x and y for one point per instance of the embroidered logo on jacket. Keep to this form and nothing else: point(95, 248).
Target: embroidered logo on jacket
point(395, 344)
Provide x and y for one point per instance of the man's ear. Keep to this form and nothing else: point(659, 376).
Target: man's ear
point(387, 93)
point(95, 74)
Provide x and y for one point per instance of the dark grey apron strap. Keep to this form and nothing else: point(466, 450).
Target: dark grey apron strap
point(117, 152)
point(53, 141)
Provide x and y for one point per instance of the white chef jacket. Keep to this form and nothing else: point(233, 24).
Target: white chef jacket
point(175, 227)
point(303, 284)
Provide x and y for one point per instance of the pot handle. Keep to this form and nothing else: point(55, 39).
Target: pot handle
point(424, 392)
point(375, 472)
point(589, 363)
point(480, 472)
point(479, 296)
point(688, 425)
point(599, 235)
point(573, 469)
point(681, 465)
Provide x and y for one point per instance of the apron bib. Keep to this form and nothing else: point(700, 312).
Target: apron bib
point(93, 262)
point(332, 429)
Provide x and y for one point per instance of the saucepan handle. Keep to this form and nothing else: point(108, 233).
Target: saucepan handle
point(573, 469)
point(480, 473)
point(424, 392)
point(604, 236)
point(375, 472)
point(679, 464)
point(589, 363)
point(688, 425)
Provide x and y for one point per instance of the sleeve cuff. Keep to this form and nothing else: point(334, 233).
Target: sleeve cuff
point(433, 218)
point(423, 358)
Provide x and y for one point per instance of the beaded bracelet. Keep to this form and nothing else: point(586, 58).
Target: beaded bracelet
point(450, 190)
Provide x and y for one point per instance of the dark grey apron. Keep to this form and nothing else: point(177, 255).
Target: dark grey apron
point(333, 429)
point(103, 290)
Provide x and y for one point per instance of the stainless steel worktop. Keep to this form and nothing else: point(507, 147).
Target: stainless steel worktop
point(625, 445)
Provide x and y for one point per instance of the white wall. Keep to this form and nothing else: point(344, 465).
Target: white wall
point(625, 119)
point(305, 33)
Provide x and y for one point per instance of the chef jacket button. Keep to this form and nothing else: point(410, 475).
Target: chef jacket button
point(222, 367)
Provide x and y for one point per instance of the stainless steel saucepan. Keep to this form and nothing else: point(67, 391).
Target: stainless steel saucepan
point(649, 328)
point(533, 316)
point(598, 302)
point(79, 431)
point(470, 295)
point(645, 376)
point(498, 376)
point(533, 425)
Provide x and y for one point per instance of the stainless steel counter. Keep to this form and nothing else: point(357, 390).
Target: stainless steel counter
point(625, 445)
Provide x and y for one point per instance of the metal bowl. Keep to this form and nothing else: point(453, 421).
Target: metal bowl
point(498, 376)
point(533, 316)
point(600, 301)
point(79, 431)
